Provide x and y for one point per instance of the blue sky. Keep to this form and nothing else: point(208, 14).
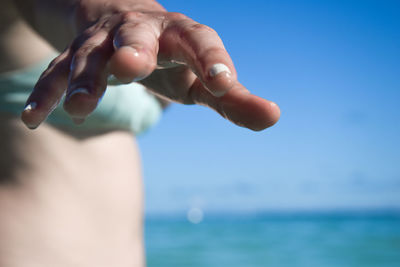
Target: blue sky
point(334, 69)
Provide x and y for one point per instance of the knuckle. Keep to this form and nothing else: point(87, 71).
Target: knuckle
point(131, 16)
point(212, 51)
point(103, 24)
point(56, 64)
point(84, 50)
point(176, 16)
point(188, 31)
point(127, 27)
point(77, 43)
point(124, 33)
point(197, 27)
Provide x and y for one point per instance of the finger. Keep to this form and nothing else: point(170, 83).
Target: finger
point(48, 91)
point(88, 75)
point(239, 106)
point(136, 48)
point(202, 50)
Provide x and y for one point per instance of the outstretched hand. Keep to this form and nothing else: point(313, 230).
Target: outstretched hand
point(173, 56)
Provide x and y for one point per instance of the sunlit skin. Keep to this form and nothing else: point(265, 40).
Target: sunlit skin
point(74, 198)
point(168, 52)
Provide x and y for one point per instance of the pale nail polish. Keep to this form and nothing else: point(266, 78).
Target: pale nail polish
point(219, 68)
point(79, 91)
point(30, 106)
point(130, 50)
point(219, 93)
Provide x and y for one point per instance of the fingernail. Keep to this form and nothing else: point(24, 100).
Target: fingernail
point(219, 68)
point(30, 106)
point(83, 91)
point(130, 49)
point(220, 93)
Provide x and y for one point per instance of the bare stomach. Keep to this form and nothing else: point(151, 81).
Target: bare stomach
point(66, 201)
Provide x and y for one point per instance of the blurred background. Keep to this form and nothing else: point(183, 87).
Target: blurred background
point(321, 187)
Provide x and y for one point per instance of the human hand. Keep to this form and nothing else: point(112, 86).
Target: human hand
point(175, 57)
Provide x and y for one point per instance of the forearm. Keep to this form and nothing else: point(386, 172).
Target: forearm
point(59, 21)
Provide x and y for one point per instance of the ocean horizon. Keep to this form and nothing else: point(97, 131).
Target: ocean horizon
point(275, 238)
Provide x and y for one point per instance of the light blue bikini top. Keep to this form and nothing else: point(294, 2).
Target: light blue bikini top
point(127, 107)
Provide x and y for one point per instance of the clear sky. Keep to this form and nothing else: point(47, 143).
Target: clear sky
point(334, 69)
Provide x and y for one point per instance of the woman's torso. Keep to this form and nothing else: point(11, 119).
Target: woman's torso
point(79, 193)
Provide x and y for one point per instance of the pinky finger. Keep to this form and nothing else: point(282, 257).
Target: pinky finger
point(47, 92)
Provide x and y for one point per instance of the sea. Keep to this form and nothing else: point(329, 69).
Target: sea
point(278, 239)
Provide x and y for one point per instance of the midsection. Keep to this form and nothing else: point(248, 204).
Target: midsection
point(93, 159)
point(69, 196)
point(66, 198)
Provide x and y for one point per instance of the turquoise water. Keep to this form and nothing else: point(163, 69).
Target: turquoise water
point(303, 239)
